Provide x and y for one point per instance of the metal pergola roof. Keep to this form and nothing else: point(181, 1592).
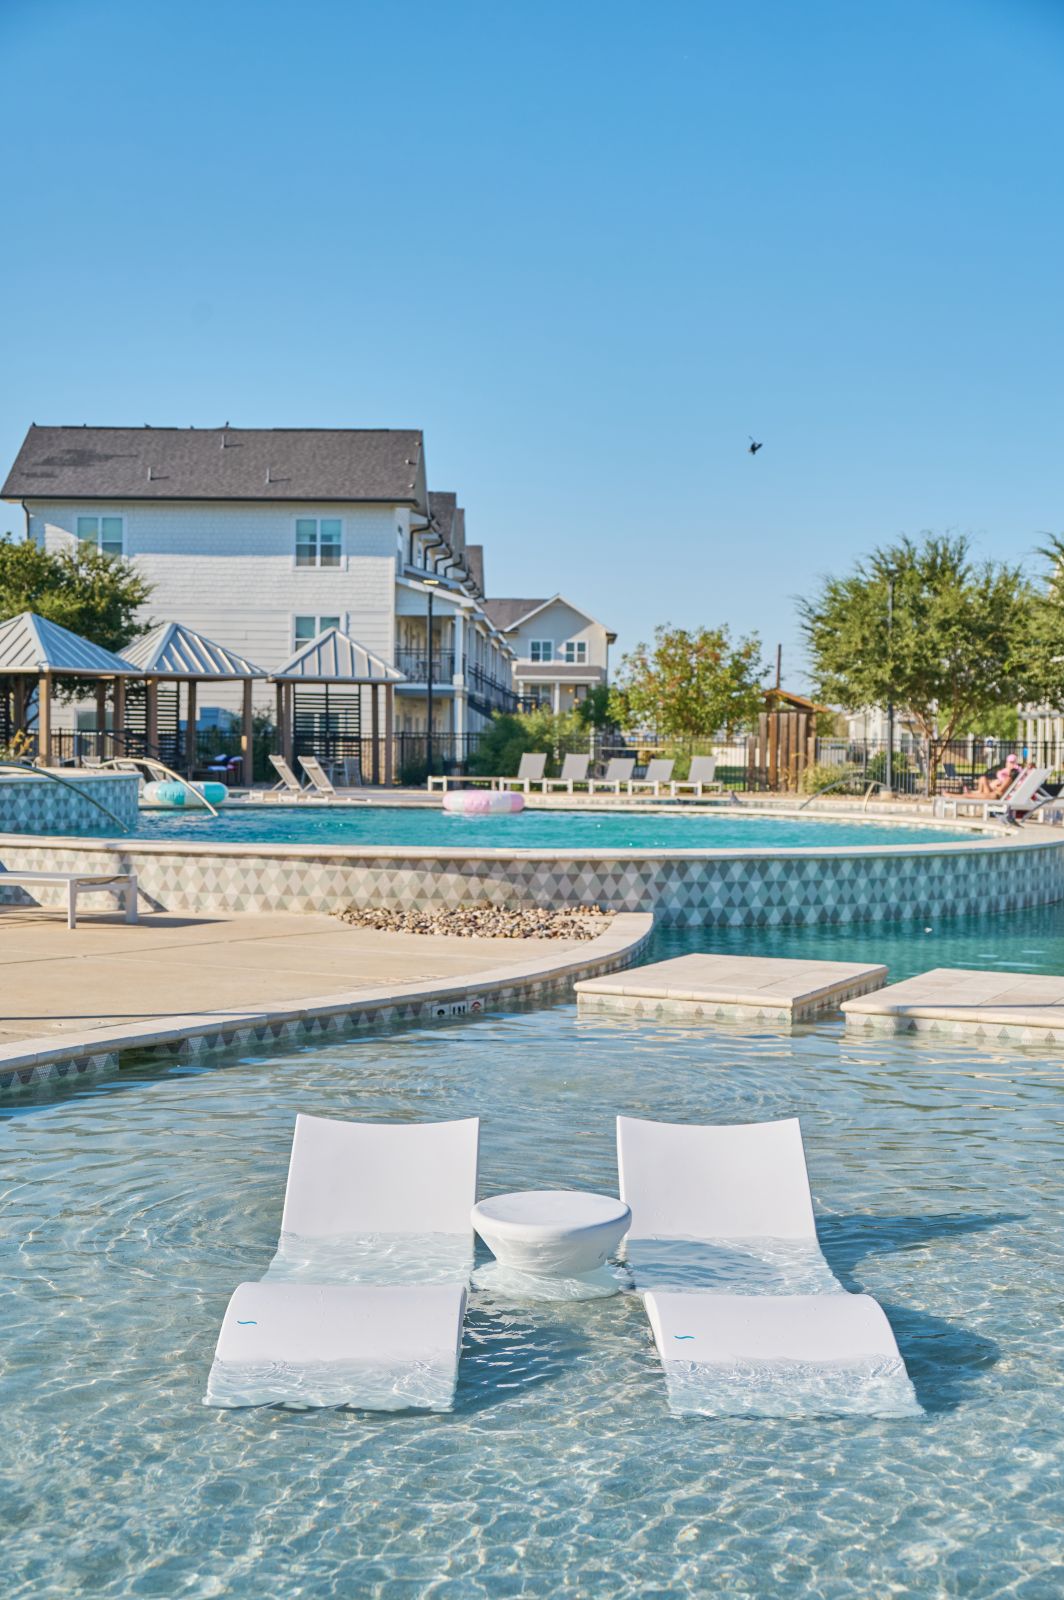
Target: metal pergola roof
point(31, 645)
point(335, 658)
point(173, 651)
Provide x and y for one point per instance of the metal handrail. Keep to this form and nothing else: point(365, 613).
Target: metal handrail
point(834, 784)
point(168, 772)
point(42, 772)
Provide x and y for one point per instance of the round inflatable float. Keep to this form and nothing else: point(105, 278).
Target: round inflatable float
point(166, 792)
point(483, 802)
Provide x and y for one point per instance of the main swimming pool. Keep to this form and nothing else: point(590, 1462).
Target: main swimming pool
point(423, 826)
point(141, 1201)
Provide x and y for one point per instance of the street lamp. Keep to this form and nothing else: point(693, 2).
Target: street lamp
point(431, 584)
point(889, 774)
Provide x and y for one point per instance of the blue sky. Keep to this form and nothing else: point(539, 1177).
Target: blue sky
point(588, 248)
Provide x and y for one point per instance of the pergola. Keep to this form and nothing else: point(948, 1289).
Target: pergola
point(34, 652)
point(335, 661)
point(172, 653)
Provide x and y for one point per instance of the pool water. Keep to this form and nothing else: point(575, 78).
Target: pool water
point(531, 830)
point(139, 1202)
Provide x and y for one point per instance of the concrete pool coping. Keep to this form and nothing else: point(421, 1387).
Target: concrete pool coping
point(47, 1060)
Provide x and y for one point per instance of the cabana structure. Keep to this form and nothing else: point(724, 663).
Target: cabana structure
point(319, 702)
point(33, 654)
point(172, 653)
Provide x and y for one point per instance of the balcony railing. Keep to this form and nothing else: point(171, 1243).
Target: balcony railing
point(490, 692)
point(415, 665)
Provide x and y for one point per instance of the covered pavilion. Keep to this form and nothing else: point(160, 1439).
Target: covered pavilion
point(34, 653)
point(319, 700)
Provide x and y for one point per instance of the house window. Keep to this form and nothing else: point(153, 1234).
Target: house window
point(541, 650)
point(319, 541)
point(104, 532)
point(576, 651)
point(306, 628)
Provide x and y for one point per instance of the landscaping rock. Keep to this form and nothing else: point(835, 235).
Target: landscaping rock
point(484, 921)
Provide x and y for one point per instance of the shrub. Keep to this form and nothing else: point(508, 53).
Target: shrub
point(846, 776)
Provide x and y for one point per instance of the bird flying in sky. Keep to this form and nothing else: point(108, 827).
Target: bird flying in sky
point(754, 446)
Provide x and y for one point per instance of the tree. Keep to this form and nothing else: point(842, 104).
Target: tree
point(690, 685)
point(1046, 649)
point(927, 628)
point(509, 734)
point(94, 595)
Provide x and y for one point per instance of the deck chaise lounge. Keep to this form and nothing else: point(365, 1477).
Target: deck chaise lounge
point(363, 1302)
point(702, 776)
point(618, 770)
point(532, 766)
point(574, 771)
point(747, 1316)
point(124, 884)
point(1025, 795)
point(658, 773)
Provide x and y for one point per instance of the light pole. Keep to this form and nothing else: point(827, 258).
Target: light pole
point(431, 585)
point(889, 774)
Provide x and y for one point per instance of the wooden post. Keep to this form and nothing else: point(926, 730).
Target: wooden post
point(191, 724)
point(287, 721)
point(101, 716)
point(151, 717)
point(44, 719)
point(389, 738)
point(375, 732)
point(118, 719)
point(19, 688)
point(247, 741)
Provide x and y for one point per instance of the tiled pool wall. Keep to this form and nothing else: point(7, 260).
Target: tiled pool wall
point(690, 888)
point(37, 804)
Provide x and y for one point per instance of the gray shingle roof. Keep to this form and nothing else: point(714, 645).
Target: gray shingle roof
point(505, 613)
point(474, 556)
point(173, 651)
point(443, 504)
point(32, 644)
point(367, 464)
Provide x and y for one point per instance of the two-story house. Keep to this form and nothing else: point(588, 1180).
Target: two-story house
point(562, 652)
point(262, 538)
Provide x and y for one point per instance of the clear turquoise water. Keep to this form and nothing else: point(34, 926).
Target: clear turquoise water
point(133, 1206)
point(532, 830)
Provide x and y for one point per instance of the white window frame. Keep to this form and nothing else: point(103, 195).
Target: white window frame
point(297, 643)
point(317, 564)
point(98, 518)
point(575, 653)
point(541, 645)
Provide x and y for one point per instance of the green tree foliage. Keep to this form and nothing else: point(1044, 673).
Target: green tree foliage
point(508, 736)
point(691, 684)
point(92, 594)
point(1046, 649)
point(945, 638)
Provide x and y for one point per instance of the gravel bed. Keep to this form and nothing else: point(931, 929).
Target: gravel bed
point(485, 921)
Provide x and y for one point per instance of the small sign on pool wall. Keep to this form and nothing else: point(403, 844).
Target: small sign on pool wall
point(461, 1008)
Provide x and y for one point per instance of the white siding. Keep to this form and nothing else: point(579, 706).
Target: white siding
point(559, 623)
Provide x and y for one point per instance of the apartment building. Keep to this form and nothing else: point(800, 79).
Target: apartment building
point(262, 538)
point(561, 651)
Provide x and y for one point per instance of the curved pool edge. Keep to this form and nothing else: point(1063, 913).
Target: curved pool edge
point(323, 1019)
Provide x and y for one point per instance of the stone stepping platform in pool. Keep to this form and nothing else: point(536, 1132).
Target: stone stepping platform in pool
point(1025, 1007)
point(722, 986)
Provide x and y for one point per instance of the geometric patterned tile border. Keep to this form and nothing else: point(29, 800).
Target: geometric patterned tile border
point(692, 888)
point(39, 805)
point(615, 949)
point(1005, 1033)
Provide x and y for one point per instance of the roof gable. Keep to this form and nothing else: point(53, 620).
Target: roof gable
point(173, 651)
point(32, 644)
point(529, 609)
point(334, 657)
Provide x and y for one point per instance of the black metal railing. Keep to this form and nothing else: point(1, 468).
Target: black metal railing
point(414, 664)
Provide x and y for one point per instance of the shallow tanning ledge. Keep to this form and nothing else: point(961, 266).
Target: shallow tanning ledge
point(1026, 1007)
point(713, 986)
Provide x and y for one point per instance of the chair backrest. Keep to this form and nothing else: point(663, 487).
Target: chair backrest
point(1027, 785)
point(703, 769)
point(285, 773)
point(532, 766)
point(316, 773)
point(659, 771)
point(575, 767)
point(619, 769)
point(352, 766)
point(691, 1181)
point(381, 1177)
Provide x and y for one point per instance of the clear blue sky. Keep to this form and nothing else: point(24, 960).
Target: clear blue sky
point(588, 247)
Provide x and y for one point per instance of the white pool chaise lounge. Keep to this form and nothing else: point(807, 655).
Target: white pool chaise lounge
point(658, 772)
point(574, 771)
point(702, 775)
point(747, 1316)
point(363, 1302)
point(618, 770)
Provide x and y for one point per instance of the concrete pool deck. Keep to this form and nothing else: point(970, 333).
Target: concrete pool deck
point(717, 986)
point(1024, 1008)
point(73, 1003)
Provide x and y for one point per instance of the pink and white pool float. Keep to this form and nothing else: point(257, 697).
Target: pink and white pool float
point(483, 802)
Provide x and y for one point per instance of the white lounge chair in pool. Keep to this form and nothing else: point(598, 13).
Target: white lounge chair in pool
point(530, 770)
point(618, 770)
point(574, 771)
point(746, 1313)
point(320, 781)
point(658, 772)
point(362, 1304)
point(703, 775)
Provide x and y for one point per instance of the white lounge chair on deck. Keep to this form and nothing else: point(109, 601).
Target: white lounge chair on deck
point(703, 775)
point(288, 780)
point(1023, 796)
point(747, 1315)
point(574, 771)
point(319, 778)
point(362, 1304)
point(658, 772)
point(618, 770)
point(530, 770)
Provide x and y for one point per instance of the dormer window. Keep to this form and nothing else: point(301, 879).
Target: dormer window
point(104, 532)
point(319, 541)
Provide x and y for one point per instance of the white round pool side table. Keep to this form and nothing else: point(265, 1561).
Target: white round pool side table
point(551, 1244)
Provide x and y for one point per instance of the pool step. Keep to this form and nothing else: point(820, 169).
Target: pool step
point(1017, 1006)
point(723, 986)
